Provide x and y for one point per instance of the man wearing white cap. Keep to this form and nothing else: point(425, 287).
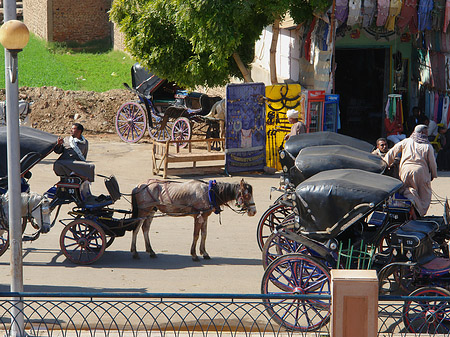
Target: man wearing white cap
point(298, 127)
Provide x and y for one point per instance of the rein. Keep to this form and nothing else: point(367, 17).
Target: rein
point(213, 195)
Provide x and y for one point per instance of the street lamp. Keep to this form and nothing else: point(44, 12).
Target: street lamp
point(14, 37)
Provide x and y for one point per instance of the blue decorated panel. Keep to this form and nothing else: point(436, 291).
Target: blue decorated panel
point(245, 128)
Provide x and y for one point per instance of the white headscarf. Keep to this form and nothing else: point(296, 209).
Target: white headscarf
point(292, 113)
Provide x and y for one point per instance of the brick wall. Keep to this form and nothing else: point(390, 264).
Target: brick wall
point(36, 18)
point(68, 20)
point(81, 20)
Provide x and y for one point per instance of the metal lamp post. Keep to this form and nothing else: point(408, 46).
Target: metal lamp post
point(14, 37)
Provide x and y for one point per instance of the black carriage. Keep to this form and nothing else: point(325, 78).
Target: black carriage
point(35, 145)
point(165, 109)
point(348, 219)
point(308, 154)
point(94, 223)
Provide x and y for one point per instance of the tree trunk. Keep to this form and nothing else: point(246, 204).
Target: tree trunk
point(273, 51)
point(242, 68)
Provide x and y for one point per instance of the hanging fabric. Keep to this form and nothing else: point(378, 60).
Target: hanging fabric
point(394, 108)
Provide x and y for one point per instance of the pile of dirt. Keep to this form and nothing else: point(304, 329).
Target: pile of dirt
point(55, 110)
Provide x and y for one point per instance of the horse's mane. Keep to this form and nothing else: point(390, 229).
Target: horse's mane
point(226, 192)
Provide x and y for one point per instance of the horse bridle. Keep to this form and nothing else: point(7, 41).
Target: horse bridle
point(42, 209)
point(242, 200)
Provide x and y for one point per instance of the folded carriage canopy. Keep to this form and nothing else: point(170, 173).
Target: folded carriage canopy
point(296, 143)
point(35, 145)
point(328, 196)
point(312, 160)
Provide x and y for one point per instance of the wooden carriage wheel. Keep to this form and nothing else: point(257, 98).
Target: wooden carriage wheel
point(297, 274)
point(181, 130)
point(82, 241)
point(162, 128)
point(131, 122)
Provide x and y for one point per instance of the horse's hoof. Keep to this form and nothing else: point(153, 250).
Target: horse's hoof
point(195, 258)
point(136, 256)
point(153, 256)
point(206, 257)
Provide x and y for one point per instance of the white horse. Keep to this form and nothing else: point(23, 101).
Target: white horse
point(194, 198)
point(35, 208)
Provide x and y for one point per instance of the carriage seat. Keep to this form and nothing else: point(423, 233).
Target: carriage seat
point(95, 202)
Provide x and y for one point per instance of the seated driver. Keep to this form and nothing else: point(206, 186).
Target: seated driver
point(73, 150)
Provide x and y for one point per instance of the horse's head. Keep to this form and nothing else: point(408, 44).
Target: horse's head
point(244, 199)
point(38, 211)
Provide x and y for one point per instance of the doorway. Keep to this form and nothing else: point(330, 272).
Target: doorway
point(361, 80)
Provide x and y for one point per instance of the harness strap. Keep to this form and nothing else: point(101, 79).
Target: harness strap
point(212, 196)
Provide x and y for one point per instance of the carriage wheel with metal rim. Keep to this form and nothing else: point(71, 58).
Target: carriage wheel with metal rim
point(82, 241)
point(297, 274)
point(428, 316)
point(397, 279)
point(161, 130)
point(131, 122)
point(278, 245)
point(181, 130)
point(271, 218)
point(213, 131)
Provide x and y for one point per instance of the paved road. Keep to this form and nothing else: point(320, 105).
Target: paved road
point(235, 266)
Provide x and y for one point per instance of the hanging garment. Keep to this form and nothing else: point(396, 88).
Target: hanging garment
point(303, 34)
point(443, 43)
point(368, 11)
point(441, 73)
point(341, 12)
point(428, 37)
point(437, 15)
point(308, 41)
point(426, 110)
point(436, 107)
point(441, 105)
point(447, 72)
point(383, 12)
point(446, 15)
point(431, 108)
point(424, 14)
point(394, 10)
point(354, 12)
point(408, 16)
point(445, 103)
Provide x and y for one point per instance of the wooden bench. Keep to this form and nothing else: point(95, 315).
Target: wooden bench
point(169, 151)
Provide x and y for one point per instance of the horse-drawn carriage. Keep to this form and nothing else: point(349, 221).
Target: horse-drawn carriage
point(94, 222)
point(349, 218)
point(35, 209)
point(165, 109)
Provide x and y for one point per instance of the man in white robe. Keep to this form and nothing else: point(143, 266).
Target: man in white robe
point(417, 167)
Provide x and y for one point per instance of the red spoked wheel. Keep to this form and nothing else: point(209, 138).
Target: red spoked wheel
point(82, 241)
point(181, 130)
point(162, 128)
point(428, 316)
point(131, 122)
point(271, 218)
point(277, 245)
point(298, 274)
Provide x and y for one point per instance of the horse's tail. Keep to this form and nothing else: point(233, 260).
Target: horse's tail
point(134, 205)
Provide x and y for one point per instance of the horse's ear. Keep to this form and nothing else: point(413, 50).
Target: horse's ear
point(242, 183)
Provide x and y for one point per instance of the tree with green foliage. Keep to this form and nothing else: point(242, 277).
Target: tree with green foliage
point(201, 42)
